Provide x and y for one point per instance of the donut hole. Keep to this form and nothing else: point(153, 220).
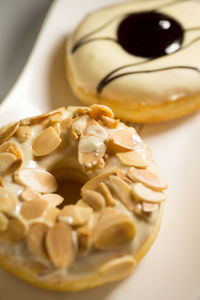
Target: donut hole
point(70, 182)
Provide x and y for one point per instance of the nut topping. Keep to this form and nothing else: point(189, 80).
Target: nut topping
point(59, 243)
point(51, 215)
point(122, 191)
point(149, 207)
point(75, 215)
point(7, 200)
point(11, 147)
point(23, 132)
point(104, 190)
point(114, 229)
point(8, 131)
point(97, 111)
point(3, 222)
point(46, 142)
point(141, 193)
point(52, 199)
point(121, 139)
point(118, 268)
point(36, 239)
point(132, 158)
point(37, 179)
point(28, 195)
point(15, 231)
point(94, 199)
point(147, 177)
point(33, 209)
point(6, 160)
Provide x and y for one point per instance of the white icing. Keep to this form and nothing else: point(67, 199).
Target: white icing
point(93, 61)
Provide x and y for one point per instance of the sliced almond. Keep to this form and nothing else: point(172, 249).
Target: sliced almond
point(82, 203)
point(93, 183)
point(108, 122)
point(52, 199)
point(149, 207)
point(142, 193)
point(56, 117)
point(89, 160)
point(66, 123)
point(37, 179)
point(13, 167)
point(3, 222)
point(122, 191)
point(23, 133)
point(7, 200)
point(147, 177)
point(1, 182)
point(8, 131)
point(46, 142)
point(33, 209)
point(84, 236)
point(36, 239)
point(114, 229)
point(57, 129)
point(40, 118)
point(11, 147)
point(59, 243)
point(75, 215)
point(6, 160)
point(15, 231)
point(121, 139)
point(104, 190)
point(79, 124)
point(132, 158)
point(94, 199)
point(28, 195)
point(117, 268)
point(97, 111)
point(121, 175)
point(51, 215)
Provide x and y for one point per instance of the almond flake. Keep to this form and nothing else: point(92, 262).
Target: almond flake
point(8, 131)
point(28, 195)
point(122, 191)
point(6, 160)
point(104, 190)
point(13, 167)
point(117, 268)
point(37, 179)
point(132, 158)
point(36, 239)
point(121, 175)
point(94, 199)
point(114, 229)
point(121, 139)
point(82, 203)
point(1, 182)
point(51, 215)
point(97, 111)
point(75, 215)
point(59, 243)
point(33, 209)
point(108, 122)
point(40, 118)
point(7, 200)
point(3, 222)
point(57, 129)
point(149, 207)
point(93, 183)
point(52, 199)
point(46, 142)
point(142, 193)
point(11, 147)
point(15, 231)
point(66, 123)
point(84, 236)
point(23, 133)
point(148, 178)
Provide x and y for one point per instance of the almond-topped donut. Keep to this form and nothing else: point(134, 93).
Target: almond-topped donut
point(48, 240)
point(141, 58)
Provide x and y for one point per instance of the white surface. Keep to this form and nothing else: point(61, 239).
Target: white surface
point(171, 270)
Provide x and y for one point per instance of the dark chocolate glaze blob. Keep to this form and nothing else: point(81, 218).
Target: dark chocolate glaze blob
point(150, 34)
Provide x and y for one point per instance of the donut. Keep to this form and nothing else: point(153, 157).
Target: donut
point(141, 58)
point(54, 243)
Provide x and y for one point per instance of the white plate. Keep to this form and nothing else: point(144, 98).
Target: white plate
point(171, 270)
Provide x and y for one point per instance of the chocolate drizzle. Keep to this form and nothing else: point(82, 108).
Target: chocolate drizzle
point(149, 35)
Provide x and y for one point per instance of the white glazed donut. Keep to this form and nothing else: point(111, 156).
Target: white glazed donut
point(141, 58)
point(53, 244)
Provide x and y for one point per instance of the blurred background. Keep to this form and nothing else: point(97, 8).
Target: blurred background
point(20, 22)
